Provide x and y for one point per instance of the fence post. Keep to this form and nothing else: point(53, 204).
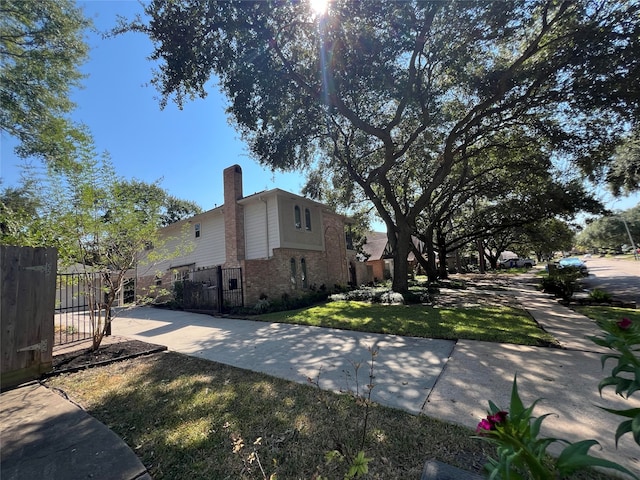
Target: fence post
point(220, 289)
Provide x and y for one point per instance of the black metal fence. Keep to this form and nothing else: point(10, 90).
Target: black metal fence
point(210, 290)
point(72, 322)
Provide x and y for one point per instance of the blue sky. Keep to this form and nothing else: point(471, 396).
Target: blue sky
point(185, 149)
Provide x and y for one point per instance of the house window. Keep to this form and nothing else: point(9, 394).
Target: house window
point(158, 279)
point(348, 236)
point(297, 217)
point(293, 272)
point(181, 274)
point(307, 219)
point(303, 267)
point(197, 230)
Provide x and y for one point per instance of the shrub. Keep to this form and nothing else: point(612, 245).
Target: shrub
point(370, 294)
point(562, 283)
point(599, 295)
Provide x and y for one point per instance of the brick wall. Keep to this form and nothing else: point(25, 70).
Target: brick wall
point(152, 286)
point(272, 277)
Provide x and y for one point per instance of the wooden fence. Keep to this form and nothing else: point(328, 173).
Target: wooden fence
point(27, 298)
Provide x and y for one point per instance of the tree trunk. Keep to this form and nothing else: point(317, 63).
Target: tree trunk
point(431, 268)
point(482, 261)
point(402, 237)
point(442, 253)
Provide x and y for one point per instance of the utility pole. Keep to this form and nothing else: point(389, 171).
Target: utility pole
point(633, 245)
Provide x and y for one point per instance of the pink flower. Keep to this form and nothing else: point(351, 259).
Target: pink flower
point(625, 323)
point(489, 423)
point(484, 426)
point(499, 417)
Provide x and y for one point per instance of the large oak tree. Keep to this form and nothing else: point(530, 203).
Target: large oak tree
point(402, 96)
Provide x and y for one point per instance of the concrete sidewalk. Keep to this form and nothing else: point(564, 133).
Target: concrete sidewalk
point(46, 437)
point(406, 368)
point(566, 380)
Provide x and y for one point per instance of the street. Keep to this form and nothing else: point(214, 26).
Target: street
point(619, 277)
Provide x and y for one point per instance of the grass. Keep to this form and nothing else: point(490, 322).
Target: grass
point(492, 324)
point(608, 313)
point(185, 417)
point(188, 418)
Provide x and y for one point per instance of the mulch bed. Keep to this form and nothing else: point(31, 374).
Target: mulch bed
point(76, 357)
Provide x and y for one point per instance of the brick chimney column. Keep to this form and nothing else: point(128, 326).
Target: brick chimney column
point(233, 216)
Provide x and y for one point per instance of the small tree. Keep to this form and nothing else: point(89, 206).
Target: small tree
point(102, 223)
point(99, 222)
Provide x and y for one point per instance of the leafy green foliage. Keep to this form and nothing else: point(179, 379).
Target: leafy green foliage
point(610, 232)
point(624, 174)
point(18, 215)
point(41, 49)
point(522, 453)
point(547, 236)
point(561, 282)
point(600, 295)
point(98, 222)
point(176, 209)
point(623, 338)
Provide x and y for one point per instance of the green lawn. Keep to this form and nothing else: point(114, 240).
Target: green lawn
point(608, 313)
point(492, 324)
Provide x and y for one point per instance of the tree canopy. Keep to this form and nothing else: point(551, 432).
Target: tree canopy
point(611, 232)
point(101, 223)
point(623, 176)
point(41, 50)
point(404, 98)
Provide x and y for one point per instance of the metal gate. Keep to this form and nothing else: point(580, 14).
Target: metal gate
point(72, 320)
point(72, 317)
point(211, 290)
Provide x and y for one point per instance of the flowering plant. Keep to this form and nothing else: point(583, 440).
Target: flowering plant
point(515, 434)
point(623, 337)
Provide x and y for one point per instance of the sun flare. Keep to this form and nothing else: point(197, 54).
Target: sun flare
point(319, 7)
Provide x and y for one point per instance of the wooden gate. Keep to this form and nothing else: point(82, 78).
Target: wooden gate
point(27, 303)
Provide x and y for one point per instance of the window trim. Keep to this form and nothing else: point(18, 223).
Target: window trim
point(307, 219)
point(297, 217)
point(303, 271)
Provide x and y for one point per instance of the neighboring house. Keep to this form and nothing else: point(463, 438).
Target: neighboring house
point(380, 261)
point(380, 257)
point(283, 243)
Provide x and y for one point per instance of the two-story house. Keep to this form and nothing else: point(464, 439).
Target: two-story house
point(283, 243)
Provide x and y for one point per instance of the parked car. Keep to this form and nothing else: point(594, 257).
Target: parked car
point(516, 263)
point(574, 262)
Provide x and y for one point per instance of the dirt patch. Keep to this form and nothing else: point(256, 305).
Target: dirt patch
point(80, 355)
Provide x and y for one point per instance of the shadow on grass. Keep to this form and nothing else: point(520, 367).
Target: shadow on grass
point(498, 324)
point(192, 418)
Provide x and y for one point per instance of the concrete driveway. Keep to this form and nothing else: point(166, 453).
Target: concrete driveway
point(405, 368)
